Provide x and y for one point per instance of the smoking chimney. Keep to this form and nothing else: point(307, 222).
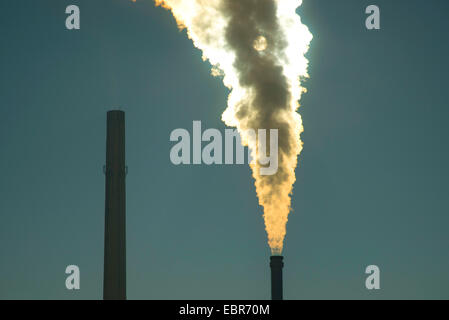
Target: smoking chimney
point(114, 283)
point(276, 264)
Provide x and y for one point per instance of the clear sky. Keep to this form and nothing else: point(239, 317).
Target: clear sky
point(372, 184)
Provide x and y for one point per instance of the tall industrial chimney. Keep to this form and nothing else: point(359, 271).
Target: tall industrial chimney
point(276, 264)
point(114, 282)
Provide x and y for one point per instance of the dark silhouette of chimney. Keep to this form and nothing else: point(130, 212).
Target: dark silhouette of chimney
point(276, 264)
point(114, 282)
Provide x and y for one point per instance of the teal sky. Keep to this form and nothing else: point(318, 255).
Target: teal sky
point(372, 185)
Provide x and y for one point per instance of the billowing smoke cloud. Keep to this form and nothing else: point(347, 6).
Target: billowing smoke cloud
point(258, 47)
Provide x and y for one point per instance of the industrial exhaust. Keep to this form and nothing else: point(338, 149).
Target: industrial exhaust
point(258, 49)
point(114, 282)
point(276, 265)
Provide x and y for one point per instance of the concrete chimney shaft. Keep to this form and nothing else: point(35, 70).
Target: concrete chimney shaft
point(276, 264)
point(114, 283)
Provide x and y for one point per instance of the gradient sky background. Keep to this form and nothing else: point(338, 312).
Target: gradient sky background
point(372, 184)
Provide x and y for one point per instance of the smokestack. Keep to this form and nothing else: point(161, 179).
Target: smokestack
point(114, 283)
point(276, 264)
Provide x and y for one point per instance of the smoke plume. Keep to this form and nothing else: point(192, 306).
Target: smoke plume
point(258, 48)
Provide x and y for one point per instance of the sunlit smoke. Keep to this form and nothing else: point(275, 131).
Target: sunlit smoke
point(260, 44)
point(258, 48)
